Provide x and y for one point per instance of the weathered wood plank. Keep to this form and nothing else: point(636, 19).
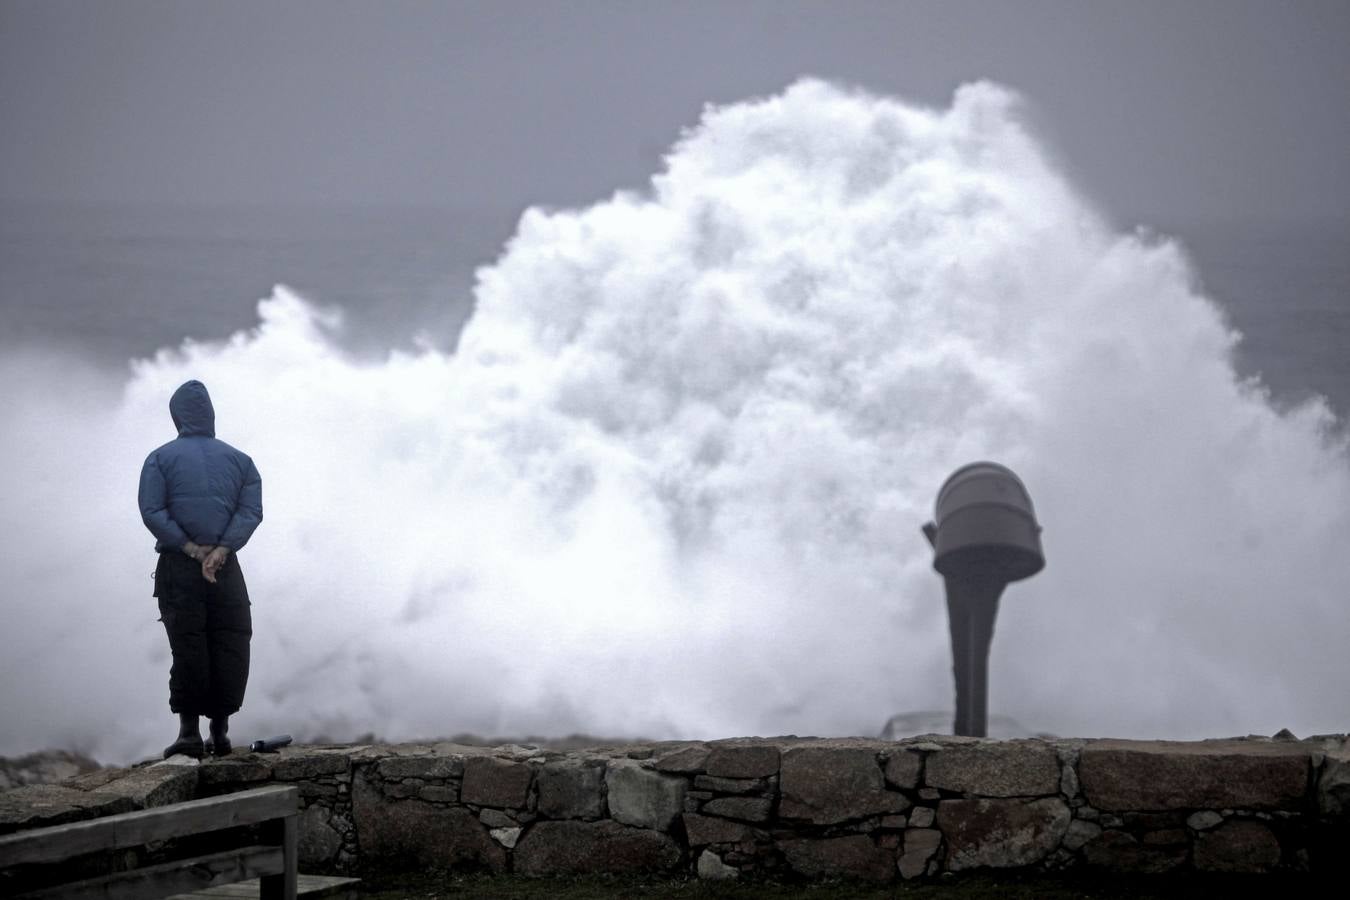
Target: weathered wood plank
point(172, 877)
point(308, 887)
point(60, 842)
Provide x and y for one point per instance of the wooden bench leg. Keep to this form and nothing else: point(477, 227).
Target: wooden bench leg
point(283, 886)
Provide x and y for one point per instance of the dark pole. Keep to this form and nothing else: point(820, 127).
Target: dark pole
point(972, 606)
point(985, 535)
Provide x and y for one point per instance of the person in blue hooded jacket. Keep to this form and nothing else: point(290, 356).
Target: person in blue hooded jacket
point(202, 500)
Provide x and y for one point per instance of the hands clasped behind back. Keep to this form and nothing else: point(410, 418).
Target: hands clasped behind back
point(211, 558)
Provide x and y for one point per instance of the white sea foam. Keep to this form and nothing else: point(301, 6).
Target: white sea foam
point(670, 484)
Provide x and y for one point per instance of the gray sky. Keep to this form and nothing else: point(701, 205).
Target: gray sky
point(1163, 111)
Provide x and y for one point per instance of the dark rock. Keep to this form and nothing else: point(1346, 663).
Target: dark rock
point(1010, 769)
point(827, 785)
point(711, 830)
point(1119, 852)
point(1153, 821)
point(404, 834)
point(571, 790)
point(1151, 775)
point(1237, 846)
point(312, 790)
point(644, 798)
point(749, 809)
point(495, 818)
point(154, 785)
point(586, 848)
point(451, 766)
point(40, 805)
point(318, 841)
point(438, 793)
point(489, 781)
point(1001, 833)
point(1333, 785)
point(296, 765)
point(685, 761)
point(921, 844)
point(232, 770)
point(902, 769)
point(749, 761)
point(1080, 833)
point(852, 856)
point(730, 785)
point(92, 781)
point(1167, 837)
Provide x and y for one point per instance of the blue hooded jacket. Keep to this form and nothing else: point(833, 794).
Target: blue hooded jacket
point(196, 488)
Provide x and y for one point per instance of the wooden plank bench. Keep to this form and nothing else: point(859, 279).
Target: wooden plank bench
point(273, 861)
point(309, 887)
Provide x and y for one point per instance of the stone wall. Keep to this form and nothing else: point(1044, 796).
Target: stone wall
point(786, 807)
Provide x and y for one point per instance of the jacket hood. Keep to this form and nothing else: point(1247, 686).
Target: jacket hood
point(192, 412)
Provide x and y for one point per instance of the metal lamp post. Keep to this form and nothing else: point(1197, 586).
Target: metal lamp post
point(984, 536)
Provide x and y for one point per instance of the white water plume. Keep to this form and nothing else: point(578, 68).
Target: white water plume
point(670, 484)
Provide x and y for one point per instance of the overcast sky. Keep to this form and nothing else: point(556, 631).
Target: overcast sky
point(1163, 111)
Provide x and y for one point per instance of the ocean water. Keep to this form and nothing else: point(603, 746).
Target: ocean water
point(656, 466)
point(110, 284)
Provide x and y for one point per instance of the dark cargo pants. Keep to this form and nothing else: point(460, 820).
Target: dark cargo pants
point(209, 627)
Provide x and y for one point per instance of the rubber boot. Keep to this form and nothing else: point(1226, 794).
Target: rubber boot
point(189, 741)
point(218, 744)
